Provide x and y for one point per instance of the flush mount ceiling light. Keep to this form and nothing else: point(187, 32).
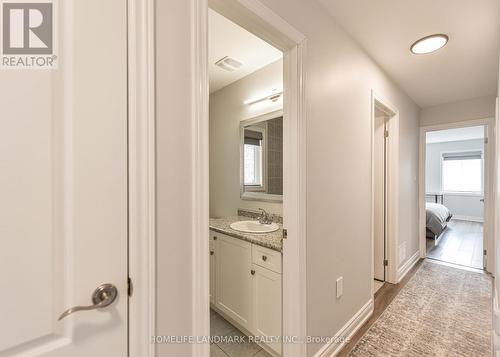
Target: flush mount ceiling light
point(429, 44)
point(228, 63)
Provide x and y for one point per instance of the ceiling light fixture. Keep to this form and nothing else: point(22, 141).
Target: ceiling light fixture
point(429, 44)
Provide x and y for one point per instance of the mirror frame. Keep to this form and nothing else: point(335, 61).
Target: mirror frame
point(255, 195)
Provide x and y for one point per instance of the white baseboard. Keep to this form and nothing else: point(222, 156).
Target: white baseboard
point(405, 268)
point(496, 314)
point(468, 218)
point(343, 336)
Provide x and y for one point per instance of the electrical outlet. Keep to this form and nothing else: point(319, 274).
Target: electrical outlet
point(340, 286)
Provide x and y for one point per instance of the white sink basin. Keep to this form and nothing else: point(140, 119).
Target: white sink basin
point(254, 227)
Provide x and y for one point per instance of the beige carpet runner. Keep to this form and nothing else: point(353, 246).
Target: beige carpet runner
point(442, 311)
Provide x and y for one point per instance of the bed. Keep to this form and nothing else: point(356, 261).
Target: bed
point(437, 217)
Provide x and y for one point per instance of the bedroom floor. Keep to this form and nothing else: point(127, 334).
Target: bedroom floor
point(461, 243)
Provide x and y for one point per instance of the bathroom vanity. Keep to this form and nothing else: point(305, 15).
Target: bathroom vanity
point(245, 280)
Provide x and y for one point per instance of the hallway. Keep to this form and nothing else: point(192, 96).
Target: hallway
point(439, 310)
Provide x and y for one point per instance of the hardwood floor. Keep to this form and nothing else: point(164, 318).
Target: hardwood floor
point(383, 298)
point(461, 243)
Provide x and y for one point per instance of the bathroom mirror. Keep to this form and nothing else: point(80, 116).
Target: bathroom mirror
point(261, 157)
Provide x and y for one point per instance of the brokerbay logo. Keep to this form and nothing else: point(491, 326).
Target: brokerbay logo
point(28, 34)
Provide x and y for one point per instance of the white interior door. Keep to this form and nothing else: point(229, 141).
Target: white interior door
point(63, 189)
point(379, 197)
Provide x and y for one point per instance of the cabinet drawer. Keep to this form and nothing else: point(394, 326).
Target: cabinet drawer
point(266, 258)
point(214, 236)
point(211, 240)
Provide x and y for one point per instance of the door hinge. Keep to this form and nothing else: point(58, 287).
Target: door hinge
point(130, 287)
point(285, 234)
point(486, 140)
point(386, 262)
point(484, 252)
point(386, 133)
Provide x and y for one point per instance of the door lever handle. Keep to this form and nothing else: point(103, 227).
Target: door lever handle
point(103, 296)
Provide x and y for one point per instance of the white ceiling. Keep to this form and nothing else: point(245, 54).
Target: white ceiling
point(225, 38)
point(467, 67)
point(469, 133)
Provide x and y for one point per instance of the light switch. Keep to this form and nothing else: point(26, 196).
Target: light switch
point(340, 286)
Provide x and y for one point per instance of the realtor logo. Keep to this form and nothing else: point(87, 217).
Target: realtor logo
point(28, 34)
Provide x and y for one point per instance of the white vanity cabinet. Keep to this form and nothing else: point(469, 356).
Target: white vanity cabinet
point(233, 279)
point(213, 257)
point(267, 305)
point(245, 285)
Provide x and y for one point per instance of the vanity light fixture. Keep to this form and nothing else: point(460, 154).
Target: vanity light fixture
point(273, 97)
point(429, 44)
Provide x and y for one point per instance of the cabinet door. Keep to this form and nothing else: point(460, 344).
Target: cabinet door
point(233, 280)
point(267, 305)
point(213, 257)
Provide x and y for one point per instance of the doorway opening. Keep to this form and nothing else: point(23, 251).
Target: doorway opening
point(455, 192)
point(384, 147)
point(246, 190)
point(257, 178)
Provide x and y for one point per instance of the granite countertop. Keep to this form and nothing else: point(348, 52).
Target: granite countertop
point(271, 240)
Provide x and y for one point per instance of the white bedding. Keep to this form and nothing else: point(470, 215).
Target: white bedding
point(437, 217)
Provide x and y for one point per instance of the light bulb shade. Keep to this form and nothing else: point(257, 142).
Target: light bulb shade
point(429, 44)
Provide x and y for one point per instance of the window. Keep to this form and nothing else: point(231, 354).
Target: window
point(462, 172)
point(253, 165)
point(253, 158)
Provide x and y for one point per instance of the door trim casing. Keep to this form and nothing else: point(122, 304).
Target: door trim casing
point(142, 173)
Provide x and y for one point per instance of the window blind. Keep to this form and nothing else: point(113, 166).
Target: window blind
point(468, 155)
point(253, 137)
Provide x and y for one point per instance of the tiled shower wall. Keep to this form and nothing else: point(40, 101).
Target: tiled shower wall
point(275, 156)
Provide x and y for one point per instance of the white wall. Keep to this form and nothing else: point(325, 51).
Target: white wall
point(471, 109)
point(174, 309)
point(226, 111)
point(340, 77)
point(464, 206)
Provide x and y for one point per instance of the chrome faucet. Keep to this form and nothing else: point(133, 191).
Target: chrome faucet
point(265, 218)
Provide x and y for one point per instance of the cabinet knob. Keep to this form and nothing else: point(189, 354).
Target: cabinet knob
point(264, 258)
point(215, 237)
point(252, 272)
point(211, 252)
